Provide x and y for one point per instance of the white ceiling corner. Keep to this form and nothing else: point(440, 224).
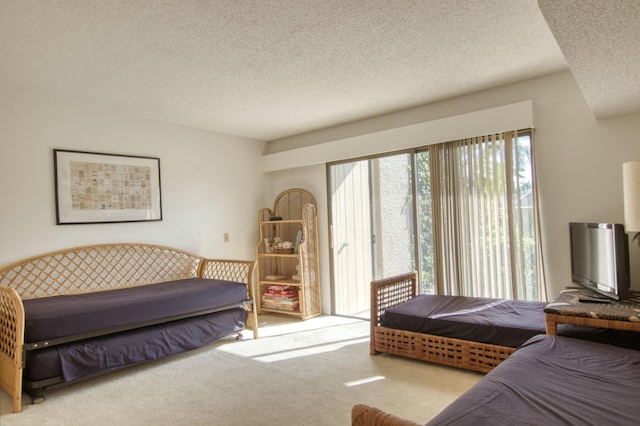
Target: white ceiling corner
point(601, 42)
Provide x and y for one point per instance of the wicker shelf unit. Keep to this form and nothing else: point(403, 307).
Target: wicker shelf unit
point(288, 280)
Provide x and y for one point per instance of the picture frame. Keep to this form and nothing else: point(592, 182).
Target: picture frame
point(93, 187)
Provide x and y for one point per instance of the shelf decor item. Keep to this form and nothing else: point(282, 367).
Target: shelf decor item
point(288, 271)
point(94, 187)
point(282, 250)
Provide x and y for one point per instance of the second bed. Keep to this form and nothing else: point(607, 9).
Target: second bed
point(464, 332)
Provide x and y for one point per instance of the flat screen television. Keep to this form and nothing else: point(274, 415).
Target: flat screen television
point(600, 259)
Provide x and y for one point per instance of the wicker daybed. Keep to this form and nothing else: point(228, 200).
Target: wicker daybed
point(473, 333)
point(470, 355)
point(74, 313)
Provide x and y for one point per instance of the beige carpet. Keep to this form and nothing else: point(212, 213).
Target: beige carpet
point(298, 373)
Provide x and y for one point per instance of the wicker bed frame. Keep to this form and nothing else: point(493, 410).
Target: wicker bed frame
point(95, 268)
point(466, 354)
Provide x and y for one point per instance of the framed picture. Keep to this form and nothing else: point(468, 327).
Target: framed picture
point(93, 187)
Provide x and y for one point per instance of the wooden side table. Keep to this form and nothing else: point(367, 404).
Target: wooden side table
point(567, 309)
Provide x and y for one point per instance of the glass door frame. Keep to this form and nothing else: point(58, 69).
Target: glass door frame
point(331, 219)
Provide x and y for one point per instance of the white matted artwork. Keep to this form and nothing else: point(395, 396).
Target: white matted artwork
point(95, 187)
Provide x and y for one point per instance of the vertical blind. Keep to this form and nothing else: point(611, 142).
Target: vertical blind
point(485, 217)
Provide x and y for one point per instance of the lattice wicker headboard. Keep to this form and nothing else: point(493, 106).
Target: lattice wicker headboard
point(388, 292)
point(233, 270)
point(98, 267)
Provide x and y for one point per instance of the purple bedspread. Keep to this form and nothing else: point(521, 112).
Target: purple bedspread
point(554, 380)
point(494, 321)
point(85, 358)
point(70, 315)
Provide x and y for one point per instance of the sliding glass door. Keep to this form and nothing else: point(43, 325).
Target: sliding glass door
point(372, 227)
point(471, 228)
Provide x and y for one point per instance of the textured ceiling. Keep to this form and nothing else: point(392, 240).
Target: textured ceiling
point(601, 41)
point(271, 69)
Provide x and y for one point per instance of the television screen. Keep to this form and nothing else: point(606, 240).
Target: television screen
point(600, 259)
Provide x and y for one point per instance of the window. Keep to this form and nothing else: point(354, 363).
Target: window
point(477, 218)
point(472, 217)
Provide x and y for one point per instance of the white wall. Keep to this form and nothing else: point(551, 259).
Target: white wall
point(211, 182)
point(579, 162)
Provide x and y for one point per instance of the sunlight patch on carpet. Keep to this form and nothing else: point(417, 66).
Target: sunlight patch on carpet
point(364, 381)
point(298, 352)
